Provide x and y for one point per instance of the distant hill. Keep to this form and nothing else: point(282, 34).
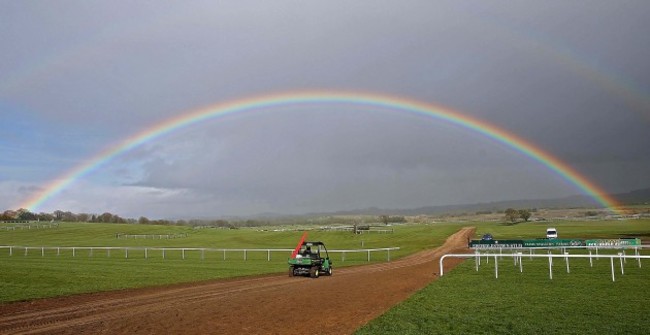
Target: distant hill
point(576, 201)
point(637, 197)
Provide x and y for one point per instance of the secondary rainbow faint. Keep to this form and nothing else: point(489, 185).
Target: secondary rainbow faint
point(371, 100)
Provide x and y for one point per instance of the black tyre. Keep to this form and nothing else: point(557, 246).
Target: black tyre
point(314, 272)
point(329, 271)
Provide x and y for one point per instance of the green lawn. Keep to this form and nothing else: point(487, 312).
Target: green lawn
point(584, 301)
point(38, 275)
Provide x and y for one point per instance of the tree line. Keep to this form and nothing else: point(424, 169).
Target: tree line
point(514, 215)
point(24, 214)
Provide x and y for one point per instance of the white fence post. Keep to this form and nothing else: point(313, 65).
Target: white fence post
point(566, 259)
point(621, 259)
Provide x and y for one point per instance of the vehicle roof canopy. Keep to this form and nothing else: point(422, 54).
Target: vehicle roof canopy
point(312, 243)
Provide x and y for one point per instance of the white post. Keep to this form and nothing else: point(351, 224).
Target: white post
point(25, 251)
point(612, 259)
point(183, 253)
point(224, 254)
point(163, 253)
point(368, 255)
point(126, 252)
point(477, 259)
point(268, 255)
point(108, 252)
point(58, 251)
point(550, 266)
point(388, 255)
point(566, 259)
point(621, 259)
point(146, 253)
point(11, 251)
point(521, 266)
point(496, 267)
point(42, 251)
point(591, 261)
point(245, 255)
point(638, 258)
point(73, 251)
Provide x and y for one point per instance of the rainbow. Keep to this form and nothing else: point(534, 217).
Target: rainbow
point(324, 97)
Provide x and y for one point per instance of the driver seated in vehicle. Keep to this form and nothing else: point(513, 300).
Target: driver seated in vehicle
point(307, 252)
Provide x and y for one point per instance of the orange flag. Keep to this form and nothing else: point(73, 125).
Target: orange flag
point(295, 251)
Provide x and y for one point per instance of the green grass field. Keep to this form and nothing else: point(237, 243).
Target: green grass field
point(584, 301)
point(34, 275)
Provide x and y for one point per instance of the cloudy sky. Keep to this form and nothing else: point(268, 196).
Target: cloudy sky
point(80, 77)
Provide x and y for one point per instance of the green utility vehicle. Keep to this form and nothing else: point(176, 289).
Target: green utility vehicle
point(311, 260)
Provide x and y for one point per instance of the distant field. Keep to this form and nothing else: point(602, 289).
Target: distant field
point(584, 301)
point(35, 276)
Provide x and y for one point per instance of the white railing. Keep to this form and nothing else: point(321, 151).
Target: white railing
point(517, 257)
point(15, 248)
point(586, 247)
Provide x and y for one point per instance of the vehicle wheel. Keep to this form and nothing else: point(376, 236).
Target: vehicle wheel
point(314, 272)
point(291, 273)
point(329, 271)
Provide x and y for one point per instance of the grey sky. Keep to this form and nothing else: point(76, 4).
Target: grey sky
point(80, 76)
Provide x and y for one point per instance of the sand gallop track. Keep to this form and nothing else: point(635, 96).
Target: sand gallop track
point(262, 305)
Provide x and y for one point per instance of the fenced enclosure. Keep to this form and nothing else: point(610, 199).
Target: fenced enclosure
point(29, 226)
point(183, 253)
point(517, 259)
point(150, 236)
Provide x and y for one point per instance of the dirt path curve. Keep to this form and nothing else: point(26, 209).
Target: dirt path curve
point(262, 305)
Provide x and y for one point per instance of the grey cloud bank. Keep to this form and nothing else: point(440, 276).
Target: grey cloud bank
point(78, 77)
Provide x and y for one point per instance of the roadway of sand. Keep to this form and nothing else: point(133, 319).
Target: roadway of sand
point(276, 304)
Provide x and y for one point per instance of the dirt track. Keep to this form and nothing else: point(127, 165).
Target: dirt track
point(262, 305)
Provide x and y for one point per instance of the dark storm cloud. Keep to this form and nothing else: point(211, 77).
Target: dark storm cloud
point(570, 77)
